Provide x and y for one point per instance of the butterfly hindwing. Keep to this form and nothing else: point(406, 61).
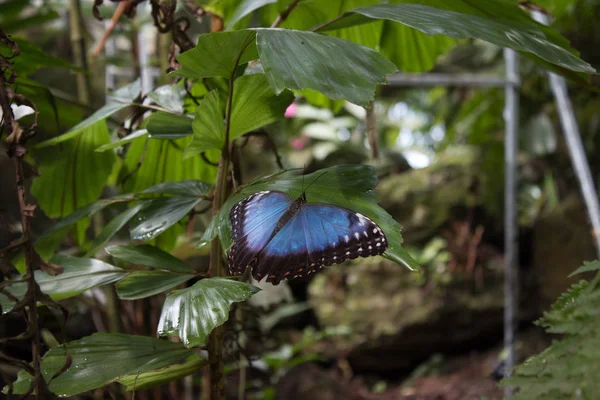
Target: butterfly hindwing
point(253, 220)
point(318, 235)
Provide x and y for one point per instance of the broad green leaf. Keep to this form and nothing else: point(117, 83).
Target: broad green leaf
point(161, 161)
point(74, 174)
point(159, 215)
point(246, 7)
point(194, 312)
point(79, 275)
point(255, 105)
point(123, 141)
point(85, 211)
point(15, 23)
point(96, 118)
point(412, 50)
point(142, 284)
point(102, 358)
point(112, 228)
point(120, 99)
point(217, 54)
point(150, 256)
point(208, 126)
point(506, 28)
point(32, 57)
point(349, 186)
point(586, 267)
point(165, 375)
point(162, 125)
point(337, 68)
point(169, 97)
point(188, 188)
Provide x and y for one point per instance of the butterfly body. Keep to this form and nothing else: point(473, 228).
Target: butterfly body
point(283, 238)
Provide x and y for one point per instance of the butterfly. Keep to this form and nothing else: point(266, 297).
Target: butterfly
point(280, 238)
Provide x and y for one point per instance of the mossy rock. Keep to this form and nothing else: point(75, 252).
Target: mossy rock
point(396, 322)
point(422, 200)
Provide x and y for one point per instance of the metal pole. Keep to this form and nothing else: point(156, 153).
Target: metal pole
point(511, 281)
point(440, 79)
point(575, 145)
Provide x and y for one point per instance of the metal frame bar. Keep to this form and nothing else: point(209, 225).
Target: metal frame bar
point(511, 230)
point(575, 145)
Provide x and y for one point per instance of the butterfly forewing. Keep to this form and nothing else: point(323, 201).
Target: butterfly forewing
point(253, 220)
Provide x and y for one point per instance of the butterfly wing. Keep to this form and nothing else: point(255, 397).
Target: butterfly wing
point(253, 221)
point(318, 235)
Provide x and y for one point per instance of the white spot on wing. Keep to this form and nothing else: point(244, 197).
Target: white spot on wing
point(347, 253)
point(346, 238)
point(357, 235)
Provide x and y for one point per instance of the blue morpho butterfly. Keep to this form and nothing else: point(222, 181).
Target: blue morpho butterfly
point(279, 237)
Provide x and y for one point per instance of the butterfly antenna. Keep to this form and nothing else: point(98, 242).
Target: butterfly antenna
point(314, 180)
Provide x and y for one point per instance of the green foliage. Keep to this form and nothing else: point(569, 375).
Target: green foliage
point(79, 275)
point(339, 69)
point(465, 19)
point(348, 186)
point(194, 312)
point(102, 358)
point(570, 367)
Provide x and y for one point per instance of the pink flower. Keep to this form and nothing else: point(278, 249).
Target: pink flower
point(298, 143)
point(290, 112)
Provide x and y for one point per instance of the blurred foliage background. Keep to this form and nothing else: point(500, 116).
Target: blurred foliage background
point(368, 328)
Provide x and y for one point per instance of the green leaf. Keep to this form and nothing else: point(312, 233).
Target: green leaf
point(79, 275)
point(77, 170)
point(102, 358)
point(194, 312)
point(83, 212)
point(169, 97)
point(161, 161)
point(349, 186)
point(187, 188)
point(115, 225)
point(120, 99)
point(217, 54)
point(412, 50)
point(159, 215)
point(245, 8)
point(142, 284)
point(32, 57)
point(123, 141)
point(150, 256)
point(337, 68)
point(507, 26)
point(208, 126)
point(255, 105)
point(570, 367)
point(165, 375)
point(586, 267)
point(162, 125)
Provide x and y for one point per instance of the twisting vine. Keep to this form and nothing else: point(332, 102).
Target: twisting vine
point(16, 138)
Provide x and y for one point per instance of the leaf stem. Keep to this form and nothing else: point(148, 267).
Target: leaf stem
point(284, 14)
point(326, 24)
point(216, 265)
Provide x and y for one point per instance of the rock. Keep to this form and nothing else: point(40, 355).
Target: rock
point(562, 241)
point(422, 200)
point(396, 323)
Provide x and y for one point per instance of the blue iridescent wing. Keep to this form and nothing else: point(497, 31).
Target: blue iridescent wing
point(253, 221)
point(318, 235)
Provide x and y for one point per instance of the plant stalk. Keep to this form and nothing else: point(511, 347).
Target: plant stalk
point(217, 267)
point(79, 52)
